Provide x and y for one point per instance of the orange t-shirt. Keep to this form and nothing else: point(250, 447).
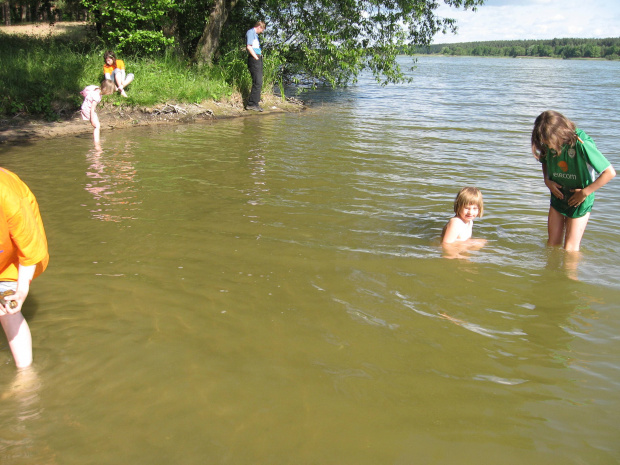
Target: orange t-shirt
point(22, 237)
point(107, 70)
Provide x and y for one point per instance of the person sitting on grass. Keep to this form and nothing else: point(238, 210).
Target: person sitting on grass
point(114, 70)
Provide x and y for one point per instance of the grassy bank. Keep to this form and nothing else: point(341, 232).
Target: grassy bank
point(42, 75)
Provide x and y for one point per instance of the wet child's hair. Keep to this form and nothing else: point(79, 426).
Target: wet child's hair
point(107, 87)
point(109, 54)
point(551, 131)
point(469, 196)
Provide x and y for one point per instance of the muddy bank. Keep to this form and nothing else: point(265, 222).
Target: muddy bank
point(20, 129)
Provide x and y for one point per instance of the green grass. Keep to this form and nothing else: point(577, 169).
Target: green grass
point(42, 76)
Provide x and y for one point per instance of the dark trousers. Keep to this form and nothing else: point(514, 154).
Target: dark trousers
point(256, 71)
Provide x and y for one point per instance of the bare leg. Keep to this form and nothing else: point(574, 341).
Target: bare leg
point(128, 79)
point(555, 227)
point(94, 120)
point(20, 341)
point(120, 82)
point(575, 227)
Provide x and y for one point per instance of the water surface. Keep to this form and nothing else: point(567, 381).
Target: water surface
point(270, 290)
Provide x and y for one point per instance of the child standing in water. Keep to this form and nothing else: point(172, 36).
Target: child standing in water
point(467, 206)
point(569, 159)
point(92, 96)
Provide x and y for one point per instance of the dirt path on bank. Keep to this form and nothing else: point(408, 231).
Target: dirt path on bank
point(47, 29)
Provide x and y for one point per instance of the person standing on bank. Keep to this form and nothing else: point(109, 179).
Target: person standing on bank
point(255, 65)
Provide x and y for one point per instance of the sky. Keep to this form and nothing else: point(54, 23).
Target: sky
point(533, 19)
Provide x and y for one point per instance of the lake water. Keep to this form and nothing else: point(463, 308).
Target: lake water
point(270, 289)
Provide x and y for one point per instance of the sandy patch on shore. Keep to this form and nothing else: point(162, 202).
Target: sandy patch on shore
point(46, 29)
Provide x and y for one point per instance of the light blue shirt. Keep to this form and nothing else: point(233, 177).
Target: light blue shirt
point(252, 39)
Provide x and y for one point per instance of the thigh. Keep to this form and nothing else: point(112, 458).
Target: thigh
point(118, 75)
point(575, 227)
point(555, 227)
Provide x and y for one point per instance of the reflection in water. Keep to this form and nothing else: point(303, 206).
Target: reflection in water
point(568, 261)
point(257, 164)
point(113, 183)
point(21, 406)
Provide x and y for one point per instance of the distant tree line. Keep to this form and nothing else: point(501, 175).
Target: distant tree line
point(555, 48)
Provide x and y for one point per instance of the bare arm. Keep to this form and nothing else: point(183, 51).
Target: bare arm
point(94, 120)
point(24, 277)
point(450, 232)
point(554, 187)
point(580, 194)
point(251, 51)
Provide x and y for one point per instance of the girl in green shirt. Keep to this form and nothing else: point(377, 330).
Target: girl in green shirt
point(569, 161)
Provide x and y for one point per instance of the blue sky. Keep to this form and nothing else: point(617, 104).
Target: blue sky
point(533, 19)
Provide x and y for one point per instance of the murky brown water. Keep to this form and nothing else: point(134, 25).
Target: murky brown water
point(269, 290)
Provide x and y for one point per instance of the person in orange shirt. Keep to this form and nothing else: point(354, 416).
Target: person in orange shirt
point(114, 70)
point(23, 256)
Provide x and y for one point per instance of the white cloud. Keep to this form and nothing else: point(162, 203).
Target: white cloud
point(533, 19)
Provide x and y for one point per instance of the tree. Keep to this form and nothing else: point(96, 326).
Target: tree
point(333, 40)
point(591, 51)
point(317, 40)
point(130, 26)
point(210, 40)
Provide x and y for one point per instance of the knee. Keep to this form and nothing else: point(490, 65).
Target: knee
point(571, 247)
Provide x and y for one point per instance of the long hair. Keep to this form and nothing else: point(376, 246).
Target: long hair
point(107, 87)
point(551, 131)
point(109, 54)
point(469, 196)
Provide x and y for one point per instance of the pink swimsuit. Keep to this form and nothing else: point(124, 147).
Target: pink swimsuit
point(90, 97)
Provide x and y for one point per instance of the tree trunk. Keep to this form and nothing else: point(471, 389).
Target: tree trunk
point(210, 39)
point(6, 11)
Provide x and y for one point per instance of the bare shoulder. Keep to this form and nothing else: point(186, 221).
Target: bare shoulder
point(452, 230)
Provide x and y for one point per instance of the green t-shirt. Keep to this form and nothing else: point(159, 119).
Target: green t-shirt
point(575, 168)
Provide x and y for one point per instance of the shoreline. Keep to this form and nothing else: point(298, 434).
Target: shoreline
point(19, 129)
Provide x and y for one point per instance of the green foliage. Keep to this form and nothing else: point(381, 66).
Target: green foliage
point(316, 41)
point(37, 73)
point(331, 41)
point(556, 48)
point(133, 27)
point(234, 70)
point(43, 77)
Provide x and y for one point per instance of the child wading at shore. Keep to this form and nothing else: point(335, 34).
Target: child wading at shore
point(569, 160)
point(92, 96)
point(114, 70)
